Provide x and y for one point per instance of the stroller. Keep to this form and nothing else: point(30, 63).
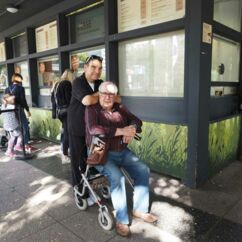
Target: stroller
point(90, 184)
point(3, 138)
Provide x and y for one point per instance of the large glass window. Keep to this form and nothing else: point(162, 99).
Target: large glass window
point(46, 37)
point(83, 54)
point(228, 12)
point(86, 25)
point(225, 60)
point(152, 66)
point(20, 45)
point(2, 52)
point(48, 73)
point(140, 13)
point(3, 78)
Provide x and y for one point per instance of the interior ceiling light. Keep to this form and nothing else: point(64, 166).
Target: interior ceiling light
point(12, 9)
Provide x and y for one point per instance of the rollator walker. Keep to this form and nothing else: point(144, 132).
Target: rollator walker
point(90, 184)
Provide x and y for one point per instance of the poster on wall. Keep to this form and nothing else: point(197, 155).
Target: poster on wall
point(140, 13)
point(46, 37)
point(2, 51)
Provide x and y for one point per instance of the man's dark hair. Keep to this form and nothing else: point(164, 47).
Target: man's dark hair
point(93, 57)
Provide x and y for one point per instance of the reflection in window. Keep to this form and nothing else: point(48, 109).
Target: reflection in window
point(83, 54)
point(228, 12)
point(152, 66)
point(87, 25)
point(20, 45)
point(23, 69)
point(225, 60)
point(48, 72)
point(2, 52)
point(3, 77)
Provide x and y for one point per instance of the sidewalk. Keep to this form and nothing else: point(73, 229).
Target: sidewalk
point(37, 205)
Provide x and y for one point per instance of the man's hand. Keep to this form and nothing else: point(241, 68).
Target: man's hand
point(127, 139)
point(129, 131)
point(29, 114)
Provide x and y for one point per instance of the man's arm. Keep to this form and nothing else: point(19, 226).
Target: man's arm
point(132, 119)
point(93, 99)
point(90, 99)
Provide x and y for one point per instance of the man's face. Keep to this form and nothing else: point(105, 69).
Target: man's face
point(93, 70)
point(106, 100)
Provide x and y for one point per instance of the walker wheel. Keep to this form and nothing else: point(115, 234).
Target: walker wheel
point(106, 193)
point(105, 220)
point(81, 203)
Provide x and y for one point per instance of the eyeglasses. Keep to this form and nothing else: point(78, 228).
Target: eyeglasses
point(107, 94)
point(93, 57)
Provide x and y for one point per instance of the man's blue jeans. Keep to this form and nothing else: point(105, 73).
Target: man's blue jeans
point(138, 171)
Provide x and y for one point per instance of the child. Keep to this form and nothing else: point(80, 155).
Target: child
point(11, 124)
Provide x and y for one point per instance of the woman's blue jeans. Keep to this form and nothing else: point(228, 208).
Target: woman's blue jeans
point(25, 125)
point(138, 171)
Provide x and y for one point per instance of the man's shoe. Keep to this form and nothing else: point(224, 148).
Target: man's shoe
point(65, 159)
point(122, 229)
point(146, 217)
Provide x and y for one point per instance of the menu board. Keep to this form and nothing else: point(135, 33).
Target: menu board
point(140, 13)
point(46, 37)
point(2, 51)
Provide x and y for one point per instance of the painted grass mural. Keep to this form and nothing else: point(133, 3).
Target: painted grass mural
point(223, 143)
point(42, 125)
point(163, 147)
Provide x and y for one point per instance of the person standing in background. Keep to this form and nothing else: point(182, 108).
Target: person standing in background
point(72, 73)
point(18, 91)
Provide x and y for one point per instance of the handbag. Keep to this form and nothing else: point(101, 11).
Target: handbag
point(98, 153)
point(61, 112)
point(8, 99)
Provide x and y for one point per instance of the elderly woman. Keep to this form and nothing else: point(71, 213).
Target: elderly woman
point(119, 126)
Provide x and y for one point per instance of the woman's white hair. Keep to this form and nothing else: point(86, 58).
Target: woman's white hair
point(108, 87)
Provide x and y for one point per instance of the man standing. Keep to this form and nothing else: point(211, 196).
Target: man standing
point(84, 92)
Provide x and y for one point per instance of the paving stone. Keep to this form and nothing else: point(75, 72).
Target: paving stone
point(225, 231)
point(235, 214)
point(54, 233)
point(10, 200)
point(85, 225)
point(22, 222)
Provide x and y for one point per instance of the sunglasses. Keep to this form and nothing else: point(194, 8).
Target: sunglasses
point(93, 57)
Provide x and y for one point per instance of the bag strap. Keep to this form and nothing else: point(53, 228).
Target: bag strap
point(55, 92)
point(11, 91)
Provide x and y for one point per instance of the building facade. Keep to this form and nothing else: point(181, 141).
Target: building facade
point(176, 63)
